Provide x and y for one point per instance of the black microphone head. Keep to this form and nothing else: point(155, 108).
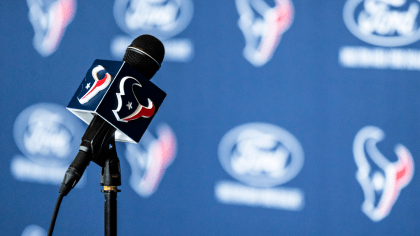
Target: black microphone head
point(145, 54)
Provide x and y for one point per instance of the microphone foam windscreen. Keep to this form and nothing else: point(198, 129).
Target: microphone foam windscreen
point(145, 54)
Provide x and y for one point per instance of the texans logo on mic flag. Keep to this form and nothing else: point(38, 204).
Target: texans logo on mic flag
point(120, 95)
point(127, 112)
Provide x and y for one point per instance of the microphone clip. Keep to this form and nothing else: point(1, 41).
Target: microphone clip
point(98, 145)
point(98, 140)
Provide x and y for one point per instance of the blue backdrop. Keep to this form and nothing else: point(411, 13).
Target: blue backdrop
point(283, 117)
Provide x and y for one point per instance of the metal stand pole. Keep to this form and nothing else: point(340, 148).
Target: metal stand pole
point(111, 179)
point(110, 213)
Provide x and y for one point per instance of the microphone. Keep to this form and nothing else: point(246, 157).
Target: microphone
point(118, 101)
point(145, 54)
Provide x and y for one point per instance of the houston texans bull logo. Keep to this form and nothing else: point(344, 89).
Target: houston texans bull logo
point(129, 107)
point(380, 179)
point(263, 27)
point(49, 19)
point(92, 87)
point(150, 158)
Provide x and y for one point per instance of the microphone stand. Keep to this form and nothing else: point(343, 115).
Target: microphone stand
point(98, 145)
point(110, 179)
point(102, 141)
point(99, 140)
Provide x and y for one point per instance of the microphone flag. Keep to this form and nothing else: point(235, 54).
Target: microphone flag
point(120, 95)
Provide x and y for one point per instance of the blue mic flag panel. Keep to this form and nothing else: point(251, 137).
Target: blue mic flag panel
point(116, 92)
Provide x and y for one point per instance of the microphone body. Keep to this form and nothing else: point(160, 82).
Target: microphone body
point(118, 102)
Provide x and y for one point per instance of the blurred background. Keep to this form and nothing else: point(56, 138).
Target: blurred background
point(283, 117)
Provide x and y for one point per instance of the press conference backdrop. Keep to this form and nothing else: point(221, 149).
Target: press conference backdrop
point(283, 117)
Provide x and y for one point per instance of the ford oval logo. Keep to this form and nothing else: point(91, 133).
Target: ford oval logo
point(164, 18)
point(388, 23)
point(47, 134)
point(261, 155)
